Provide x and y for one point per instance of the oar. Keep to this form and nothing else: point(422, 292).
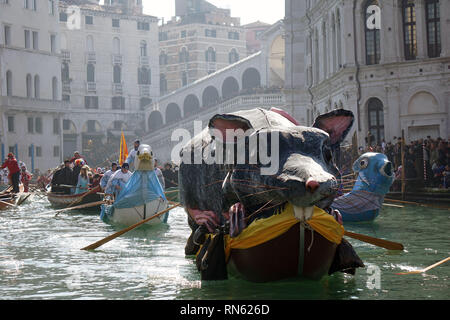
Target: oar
point(119, 233)
point(416, 203)
point(22, 199)
point(9, 204)
point(426, 269)
point(81, 206)
point(375, 241)
point(392, 205)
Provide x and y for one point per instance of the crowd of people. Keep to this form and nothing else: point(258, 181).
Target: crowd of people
point(426, 161)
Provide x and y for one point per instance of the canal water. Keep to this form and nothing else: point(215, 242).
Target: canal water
point(40, 258)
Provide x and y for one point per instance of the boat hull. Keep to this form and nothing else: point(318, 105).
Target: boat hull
point(286, 256)
point(133, 215)
point(64, 201)
point(365, 216)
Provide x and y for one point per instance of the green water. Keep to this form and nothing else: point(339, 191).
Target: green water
point(40, 258)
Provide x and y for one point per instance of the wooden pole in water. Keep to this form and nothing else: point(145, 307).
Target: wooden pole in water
point(403, 163)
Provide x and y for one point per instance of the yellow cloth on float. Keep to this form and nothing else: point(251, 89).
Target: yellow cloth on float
point(263, 230)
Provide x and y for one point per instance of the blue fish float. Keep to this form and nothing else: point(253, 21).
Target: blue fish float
point(375, 177)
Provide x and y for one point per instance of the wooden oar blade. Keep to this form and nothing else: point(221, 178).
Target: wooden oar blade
point(99, 243)
point(426, 269)
point(390, 245)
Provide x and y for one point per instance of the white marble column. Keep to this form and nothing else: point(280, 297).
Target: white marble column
point(347, 34)
point(421, 30)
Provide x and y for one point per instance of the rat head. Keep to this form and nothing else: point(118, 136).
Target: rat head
point(144, 158)
point(304, 174)
point(375, 173)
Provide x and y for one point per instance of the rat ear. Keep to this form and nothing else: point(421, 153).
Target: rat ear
point(224, 122)
point(336, 123)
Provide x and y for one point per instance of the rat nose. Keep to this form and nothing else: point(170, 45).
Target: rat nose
point(312, 185)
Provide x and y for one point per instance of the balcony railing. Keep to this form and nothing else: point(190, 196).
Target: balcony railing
point(91, 57)
point(65, 55)
point(117, 59)
point(91, 86)
point(144, 90)
point(117, 88)
point(66, 87)
point(144, 61)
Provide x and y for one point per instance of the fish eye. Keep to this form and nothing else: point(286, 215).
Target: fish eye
point(386, 169)
point(363, 163)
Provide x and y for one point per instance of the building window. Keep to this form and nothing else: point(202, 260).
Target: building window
point(30, 151)
point(38, 125)
point(35, 40)
point(26, 4)
point(63, 16)
point(117, 74)
point(143, 47)
point(53, 43)
point(65, 97)
point(233, 35)
point(66, 124)
point(210, 55)
point(184, 80)
point(90, 72)
point(7, 32)
point(65, 74)
point(433, 21)
point(91, 102)
point(56, 128)
point(372, 32)
point(184, 55)
point(162, 36)
point(9, 83)
point(55, 151)
point(409, 29)
point(183, 34)
point(233, 56)
point(116, 23)
point(51, 7)
point(376, 120)
point(30, 122)
point(163, 59)
point(116, 46)
point(27, 39)
point(210, 33)
point(89, 19)
point(118, 103)
point(54, 88)
point(144, 76)
point(162, 84)
point(37, 90)
point(91, 126)
point(38, 151)
point(90, 43)
point(10, 124)
point(29, 86)
point(141, 25)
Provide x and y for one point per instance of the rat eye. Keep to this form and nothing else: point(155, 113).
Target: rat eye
point(327, 155)
point(363, 163)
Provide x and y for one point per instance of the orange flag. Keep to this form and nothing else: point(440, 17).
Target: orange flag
point(123, 153)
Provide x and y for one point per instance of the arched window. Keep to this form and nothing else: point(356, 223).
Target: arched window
point(37, 90)
point(433, 20)
point(409, 29)
point(65, 72)
point(233, 56)
point(372, 31)
point(90, 43)
point(144, 76)
point(9, 84)
point(90, 70)
point(376, 120)
point(116, 45)
point(55, 88)
point(143, 48)
point(29, 86)
point(210, 55)
point(117, 74)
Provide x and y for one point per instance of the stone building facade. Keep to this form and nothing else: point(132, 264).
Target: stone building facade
point(387, 61)
point(198, 41)
point(31, 109)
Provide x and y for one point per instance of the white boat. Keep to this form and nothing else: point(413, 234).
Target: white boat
point(141, 197)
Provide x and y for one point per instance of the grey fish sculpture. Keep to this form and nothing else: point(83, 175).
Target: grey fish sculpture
point(277, 174)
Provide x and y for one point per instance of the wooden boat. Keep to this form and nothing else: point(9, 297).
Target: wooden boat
point(58, 200)
point(132, 215)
